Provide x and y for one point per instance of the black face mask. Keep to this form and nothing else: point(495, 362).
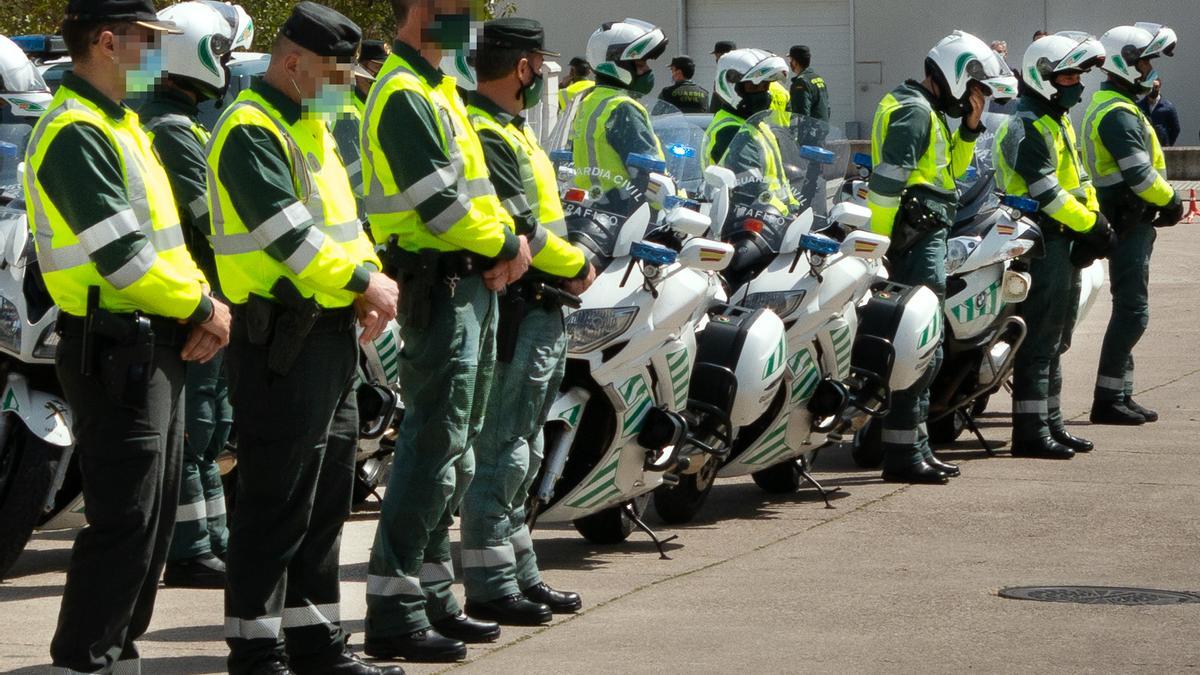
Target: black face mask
point(753, 103)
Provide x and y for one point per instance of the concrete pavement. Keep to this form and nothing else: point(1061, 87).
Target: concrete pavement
point(894, 579)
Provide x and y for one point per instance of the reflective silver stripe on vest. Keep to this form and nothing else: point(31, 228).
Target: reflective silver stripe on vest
point(458, 209)
point(538, 240)
point(262, 628)
point(311, 615)
point(120, 224)
point(198, 208)
point(135, 268)
point(289, 219)
point(306, 252)
point(390, 586)
point(593, 155)
point(516, 204)
point(1136, 159)
point(1147, 183)
point(344, 233)
point(1044, 185)
point(899, 174)
point(1092, 157)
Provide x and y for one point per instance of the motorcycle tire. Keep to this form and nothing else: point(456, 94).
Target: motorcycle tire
point(25, 478)
point(679, 504)
point(868, 446)
point(781, 479)
point(612, 525)
point(947, 430)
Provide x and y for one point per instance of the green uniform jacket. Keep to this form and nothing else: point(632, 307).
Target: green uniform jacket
point(688, 96)
point(172, 120)
point(809, 97)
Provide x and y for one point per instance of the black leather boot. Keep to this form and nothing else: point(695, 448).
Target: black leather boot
point(921, 472)
point(463, 627)
point(1042, 448)
point(1115, 413)
point(425, 646)
point(1073, 442)
point(1150, 415)
point(559, 602)
point(951, 470)
point(203, 571)
point(511, 610)
point(345, 663)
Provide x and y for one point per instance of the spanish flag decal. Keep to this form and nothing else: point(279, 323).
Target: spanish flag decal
point(861, 246)
point(1005, 230)
point(711, 254)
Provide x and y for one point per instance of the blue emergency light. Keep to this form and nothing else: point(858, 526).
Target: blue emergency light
point(637, 160)
point(8, 149)
point(678, 150)
point(863, 159)
point(655, 254)
point(1022, 204)
point(817, 154)
point(561, 156)
point(819, 244)
point(672, 201)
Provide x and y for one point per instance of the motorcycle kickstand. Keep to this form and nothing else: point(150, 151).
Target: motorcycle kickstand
point(969, 420)
point(820, 488)
point(641, 525)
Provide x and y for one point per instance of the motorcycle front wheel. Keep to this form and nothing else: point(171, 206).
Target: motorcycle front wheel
point(612, 525)
point(679, 504)
point(784, 478)
point(25, 478)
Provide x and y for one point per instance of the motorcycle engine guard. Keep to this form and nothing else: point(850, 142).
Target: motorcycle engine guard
point(827, 404)
point(872, 361)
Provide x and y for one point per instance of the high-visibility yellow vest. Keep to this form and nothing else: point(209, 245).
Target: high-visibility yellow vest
point(568, 93)
point(597, 164)
point(551, 253)
point(392, 210)
point(1068, 184)
point(323, 193)
point(1105, 168)
point(161, 279)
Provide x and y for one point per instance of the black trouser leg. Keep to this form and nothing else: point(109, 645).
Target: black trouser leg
point(129, 457)
point(283, 425)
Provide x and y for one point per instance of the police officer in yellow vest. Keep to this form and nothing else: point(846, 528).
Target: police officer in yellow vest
point(577, 80)
point(1129, 170)
point(913, 199)
point(300, 272)
point(1038, 156)
point(193, 72)
point(347, 128)
point(453, 246)
point(610, 124)
point(740, 136)
point(133, 309)
point(500, 570)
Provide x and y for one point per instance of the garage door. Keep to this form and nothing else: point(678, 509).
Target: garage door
point(776, 25)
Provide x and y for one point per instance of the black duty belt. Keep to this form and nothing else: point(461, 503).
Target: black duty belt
point(166, 331)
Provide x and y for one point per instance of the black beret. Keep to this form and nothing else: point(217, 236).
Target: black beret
point(800, 53)
point(724, 47)
point(140, 12)
point(515, 33)
point(683, 62)
point(323, 31)
point(373, 50)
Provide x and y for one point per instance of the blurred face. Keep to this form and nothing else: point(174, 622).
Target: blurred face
point(311, 73)
point(641, 66)
point(1144, 67)
point(1067, 79)
point(129, 48)
point(1157, 89)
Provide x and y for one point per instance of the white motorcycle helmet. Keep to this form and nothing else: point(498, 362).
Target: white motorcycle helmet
point(457, 64)
point(961, 58)
point(1065, 52)
point(238, 19)
point(21, 86)
point(197, 55)
point(1126, 45)
point(615, 45)
point(754, 66)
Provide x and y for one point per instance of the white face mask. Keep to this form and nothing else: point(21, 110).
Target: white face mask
point(331, 100)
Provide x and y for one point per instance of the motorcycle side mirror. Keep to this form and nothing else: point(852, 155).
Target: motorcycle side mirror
point(851, 215)
point(720, 177)
point(660, 188)
point(706, 255)
point(682, 216)
point(800, 226)
point(865, 245)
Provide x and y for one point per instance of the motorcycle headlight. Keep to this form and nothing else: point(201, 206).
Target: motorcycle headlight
point(958, 250)
point(588, 329)
point(782, 303)
point(47, 344)
point(1017, 248)
point(10, 325)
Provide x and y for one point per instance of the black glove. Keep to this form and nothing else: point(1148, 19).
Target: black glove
point(1096, 243)
point(1171, 214)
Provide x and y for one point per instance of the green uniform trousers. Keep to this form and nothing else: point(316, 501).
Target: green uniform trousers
point(129, 458)
point(297, 436)
point(445, 372)
point(1129, 272)
point(905, 441)
point(497, 551)
point(1049, 313)
point(200, 518)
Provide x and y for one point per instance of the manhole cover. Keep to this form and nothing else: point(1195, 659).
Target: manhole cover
point(1099, 595)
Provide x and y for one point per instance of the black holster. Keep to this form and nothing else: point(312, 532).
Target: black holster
point(513, 310)
point(416, 273)
point(282, 325)
point(124, 346)
point(914, 221)
point(1125, 211)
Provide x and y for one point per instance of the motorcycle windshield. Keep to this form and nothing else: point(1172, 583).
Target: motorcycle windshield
point(783, 167)
point(14, 137)
point(682, 138)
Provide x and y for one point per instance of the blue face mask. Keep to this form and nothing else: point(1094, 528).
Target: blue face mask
point(1146, 84)
point(147, 74)
point(331, 99)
